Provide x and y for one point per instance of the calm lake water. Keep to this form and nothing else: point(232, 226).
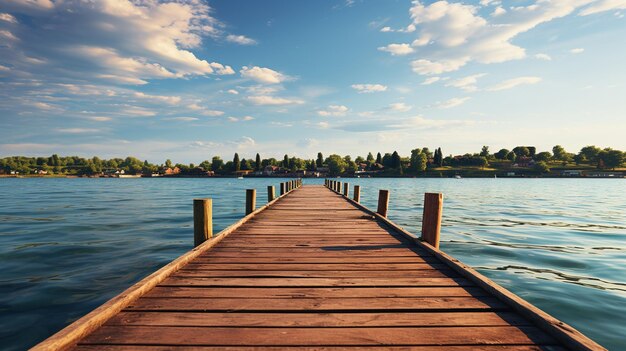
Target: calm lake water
point(68, 245)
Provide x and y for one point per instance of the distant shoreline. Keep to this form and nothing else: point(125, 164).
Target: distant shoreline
point(305, 177)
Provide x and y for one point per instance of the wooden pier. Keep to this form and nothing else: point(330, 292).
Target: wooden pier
point(315, 270)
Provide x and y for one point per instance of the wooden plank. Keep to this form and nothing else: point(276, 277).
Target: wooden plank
point(229, 265)
point(313, 282)
point(318, 304)
point(320, 348)
point(149, 335)
point(256, 259)
point(290, 292)
point(428, 273)
point(239, 319)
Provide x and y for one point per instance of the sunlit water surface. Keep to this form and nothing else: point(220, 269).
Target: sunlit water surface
point(68, 245)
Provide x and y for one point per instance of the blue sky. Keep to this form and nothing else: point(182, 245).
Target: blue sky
point(190, 79)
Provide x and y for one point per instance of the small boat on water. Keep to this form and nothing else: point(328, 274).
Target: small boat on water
point(239, 177)
point(129, 176)
point(456, 176)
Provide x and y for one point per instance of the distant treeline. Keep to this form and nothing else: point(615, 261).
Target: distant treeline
point(419, 161)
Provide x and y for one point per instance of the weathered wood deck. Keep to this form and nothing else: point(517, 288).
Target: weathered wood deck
point(317, 271)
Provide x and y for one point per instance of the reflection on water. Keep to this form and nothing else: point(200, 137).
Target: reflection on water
point(68, 245)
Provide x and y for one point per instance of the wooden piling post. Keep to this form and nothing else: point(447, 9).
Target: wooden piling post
point(271, 193)
point(431, 220)
point(250, 201)
point(383, 202)
point(202, 220)
point(282, 189)
point(357, 193)
point(346, 189)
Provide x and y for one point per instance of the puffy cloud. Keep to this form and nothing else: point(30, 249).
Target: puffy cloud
point(544, 57)
point(577, 51)
point(212, 113)
point(386, 29)
point(273, 100)
point(262, 75)
point(172, 100)
point(397, 49)
point(7, 18)
point(240, 39)
point(333, 111)
point(451, 34)
point(602, 6)
point(512, 83)
point(183, 119)
point(118, 41)
point(431, 80)
point(99, 118)
point(466, 83)
point(400, 107)
point(369, 88)
point(233, 92)
point(451, 103)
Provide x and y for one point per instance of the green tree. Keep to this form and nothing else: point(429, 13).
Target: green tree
point(395, 160)
point(612, 158)
point(236, 163)
point(541, 167)
point(521, 151)
point(419, 160)
point(379, 158)
point(501, 155)
point(543, 156)
point(590, 153)
point(257, 163)
point(484, 152)
point(217, 164)
point(245, 165)
point(336, 165)
point(320, 160)
point(511, 156)
point(559, 153)
point(168, 163)
point(206, 165)
point(370, 157)
point(286, 162)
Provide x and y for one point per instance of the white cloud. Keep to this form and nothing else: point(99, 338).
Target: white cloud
point(240, 39)
point(577, 51)
point(369, 88)
point(272, 100)
point(604, 5)
point(544, 57)
point(431, 80)
point(386, 29)
point(247, 118)
point(77, 130)
point(262, 75)
point(99, 118)
point(466, 83)
point(453, 34)
point(333, 111)
point(451, 103)
point(138, 112)
point(183, 119)
point(512, 83)
point(400, 107)
point(44, 106)
point(172, 100)
point(499, 11)
point(130, 42)
point(7, 17)
point(233, 92)
point(397, 49)
point(212, 113)
point(233, 119)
